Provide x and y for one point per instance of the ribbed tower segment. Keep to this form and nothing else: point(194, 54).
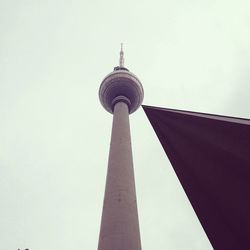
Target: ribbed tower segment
point(120, 93)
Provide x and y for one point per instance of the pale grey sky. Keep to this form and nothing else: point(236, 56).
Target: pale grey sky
point(54, 133)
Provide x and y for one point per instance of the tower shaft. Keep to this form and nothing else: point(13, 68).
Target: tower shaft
point(120, 224)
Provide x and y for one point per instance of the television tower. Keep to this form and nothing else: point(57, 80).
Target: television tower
point(121, 94)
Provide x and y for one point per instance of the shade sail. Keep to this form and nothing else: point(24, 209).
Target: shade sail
point(211, 157)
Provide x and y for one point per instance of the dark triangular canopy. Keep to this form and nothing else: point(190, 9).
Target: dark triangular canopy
point(211, 157)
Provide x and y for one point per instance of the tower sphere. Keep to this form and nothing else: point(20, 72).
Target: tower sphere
point(121, 86)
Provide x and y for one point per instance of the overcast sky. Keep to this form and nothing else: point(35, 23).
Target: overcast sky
point(54, 134)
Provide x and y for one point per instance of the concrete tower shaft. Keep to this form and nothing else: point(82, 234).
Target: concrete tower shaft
point(120, 225)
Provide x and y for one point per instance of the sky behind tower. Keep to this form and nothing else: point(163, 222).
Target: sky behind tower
point(54, 133)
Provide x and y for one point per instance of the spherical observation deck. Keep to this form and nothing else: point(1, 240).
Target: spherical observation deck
point(121, 86)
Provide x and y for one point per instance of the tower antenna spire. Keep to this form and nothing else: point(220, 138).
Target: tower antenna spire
point(121, 56)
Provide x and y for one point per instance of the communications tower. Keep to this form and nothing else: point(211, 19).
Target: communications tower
point(121, 94)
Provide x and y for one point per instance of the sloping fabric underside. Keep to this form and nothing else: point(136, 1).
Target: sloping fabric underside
point(211, 157)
